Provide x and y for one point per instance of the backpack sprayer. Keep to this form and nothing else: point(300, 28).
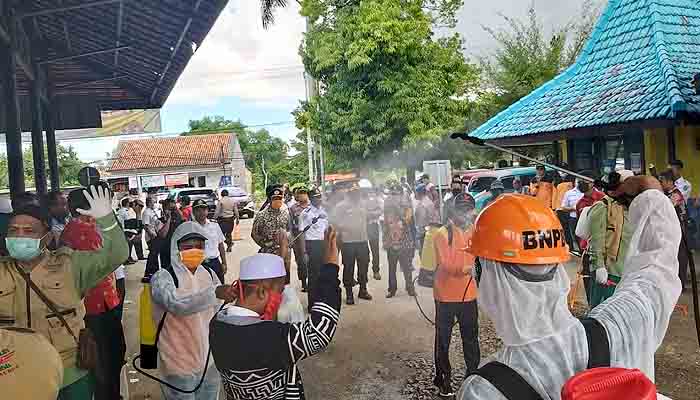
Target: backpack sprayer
point(606, 186)
point(150, 333)
point(300, 234)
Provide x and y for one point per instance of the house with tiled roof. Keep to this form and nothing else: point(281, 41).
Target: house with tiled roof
point(632, 97)
point(210, 160)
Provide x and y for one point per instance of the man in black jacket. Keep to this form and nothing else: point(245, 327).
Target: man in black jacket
point(256, 354)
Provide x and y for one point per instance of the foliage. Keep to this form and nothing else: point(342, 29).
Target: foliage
point(255, 145)
point(267, 8)
point(68, 166)
point(387, 83)
point(526, 58)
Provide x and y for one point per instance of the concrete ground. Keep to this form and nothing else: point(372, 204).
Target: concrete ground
point(368, 356)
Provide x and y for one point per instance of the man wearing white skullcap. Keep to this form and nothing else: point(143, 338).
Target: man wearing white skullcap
point(257, 353)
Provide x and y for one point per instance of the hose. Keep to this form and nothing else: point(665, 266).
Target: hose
point(177, 389)
point(464, 296)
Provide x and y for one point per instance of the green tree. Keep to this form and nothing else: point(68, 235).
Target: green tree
point(387, 82)
point(68, 166)
point(526, 58)
point(255, 144)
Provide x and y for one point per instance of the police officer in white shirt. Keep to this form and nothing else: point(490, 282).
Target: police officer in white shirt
point(214, 250)
point(314, 240)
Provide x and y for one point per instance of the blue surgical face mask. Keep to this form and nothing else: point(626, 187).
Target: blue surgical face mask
point(23, 248)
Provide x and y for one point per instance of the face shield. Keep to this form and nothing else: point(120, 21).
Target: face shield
point(526, 303)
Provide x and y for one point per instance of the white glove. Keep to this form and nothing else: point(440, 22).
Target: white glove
point(291, 310)
point(601, 276)
point(100, 202)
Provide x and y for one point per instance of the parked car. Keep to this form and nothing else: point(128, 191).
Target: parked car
point(208, 194)
point(480, 184)
point(246, 206)
point(482, 181)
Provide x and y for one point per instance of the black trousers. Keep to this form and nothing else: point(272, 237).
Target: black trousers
point(138, 245)
point(164, 252)
point(302, 259)
point(373, 236)
point(111, 346)
point(588, 279)
point(355, 252)
point(683, 259)
point(121, 290)
point(404, 258)
point(153, 264)
point(467, 316)
point(569, 225)
point(315, 250)
point(227, 225)
point(215, 265)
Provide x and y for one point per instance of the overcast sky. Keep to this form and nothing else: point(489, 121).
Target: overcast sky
point(242, 71)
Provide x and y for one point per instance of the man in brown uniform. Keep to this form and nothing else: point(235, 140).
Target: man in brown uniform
point(30, 367)
point(227, 216)
point(62, 276)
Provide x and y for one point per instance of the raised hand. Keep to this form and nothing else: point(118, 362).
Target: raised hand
point(331, 246)
point(100, 202)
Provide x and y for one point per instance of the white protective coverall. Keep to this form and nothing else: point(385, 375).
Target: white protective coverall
point(184, 340)
point(546, 345)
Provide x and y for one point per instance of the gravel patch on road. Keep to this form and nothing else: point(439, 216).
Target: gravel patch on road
point(419, 384)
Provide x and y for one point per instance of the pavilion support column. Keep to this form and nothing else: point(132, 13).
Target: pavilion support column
point(13, 130)
point(38, 136)
point(51, 148)
point(671, 138)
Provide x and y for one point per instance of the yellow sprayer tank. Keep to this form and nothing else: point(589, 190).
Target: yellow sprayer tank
point(147, 328)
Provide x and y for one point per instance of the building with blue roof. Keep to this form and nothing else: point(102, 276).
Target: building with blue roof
point(632, 97)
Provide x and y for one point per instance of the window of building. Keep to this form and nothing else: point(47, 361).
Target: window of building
point(201, 181)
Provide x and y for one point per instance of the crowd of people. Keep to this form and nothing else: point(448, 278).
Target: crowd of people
point(62, 283)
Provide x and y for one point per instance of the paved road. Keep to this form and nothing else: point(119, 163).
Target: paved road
point(361, 362)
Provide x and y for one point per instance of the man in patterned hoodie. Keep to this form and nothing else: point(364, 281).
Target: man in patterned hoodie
point(255, 352)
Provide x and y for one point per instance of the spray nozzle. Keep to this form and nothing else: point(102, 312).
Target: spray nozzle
point(465, 136)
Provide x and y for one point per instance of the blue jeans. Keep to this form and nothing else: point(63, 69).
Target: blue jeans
point(208, 391)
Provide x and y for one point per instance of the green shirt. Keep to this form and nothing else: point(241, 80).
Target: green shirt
point(598, 216)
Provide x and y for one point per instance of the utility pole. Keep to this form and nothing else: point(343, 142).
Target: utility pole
point(311, 92)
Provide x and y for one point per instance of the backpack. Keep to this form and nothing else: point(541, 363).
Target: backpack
point(613, 236)
point(171, 271)
point(514, 387)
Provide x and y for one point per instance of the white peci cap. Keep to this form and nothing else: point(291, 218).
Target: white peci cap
point(624, 174)
point(262, 266)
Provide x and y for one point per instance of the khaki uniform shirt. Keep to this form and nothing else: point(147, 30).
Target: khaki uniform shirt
point(30, 367)
point(63, 276)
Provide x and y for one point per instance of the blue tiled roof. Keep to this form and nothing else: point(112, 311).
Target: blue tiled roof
point(637, 65)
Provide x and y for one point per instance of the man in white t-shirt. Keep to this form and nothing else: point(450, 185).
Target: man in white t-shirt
point(682, 184)
point(568, 214)
point(214, 250)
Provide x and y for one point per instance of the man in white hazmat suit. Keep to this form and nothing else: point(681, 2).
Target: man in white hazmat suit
point(523, 288)
point(185, 298)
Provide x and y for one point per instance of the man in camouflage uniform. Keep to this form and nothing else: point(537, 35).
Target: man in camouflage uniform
point(271, 223)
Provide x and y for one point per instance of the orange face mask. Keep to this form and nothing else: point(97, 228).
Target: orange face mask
point(276, 204)
point(192, 258)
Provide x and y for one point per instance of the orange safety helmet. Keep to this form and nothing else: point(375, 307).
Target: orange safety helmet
point(519, 229)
